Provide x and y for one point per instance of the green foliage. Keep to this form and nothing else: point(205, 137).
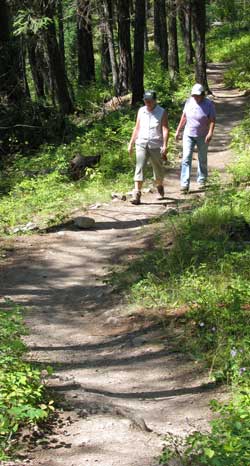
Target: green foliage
point(228, 442)
point(240, 169)
point(40, 188)
point(27, 22)
point(21, 393)
point(37, 188)
point(234, 51)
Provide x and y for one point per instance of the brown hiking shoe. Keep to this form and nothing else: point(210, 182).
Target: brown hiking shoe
point(160, 190)
point(136, 198)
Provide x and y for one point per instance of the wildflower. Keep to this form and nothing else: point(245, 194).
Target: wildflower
point(213, 329)
point(242, 370)
point(201, 324)
point(233, 352)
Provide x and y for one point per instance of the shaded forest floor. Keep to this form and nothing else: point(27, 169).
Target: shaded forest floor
point(122, 380)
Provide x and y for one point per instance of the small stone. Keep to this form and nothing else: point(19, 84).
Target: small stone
point(119, 196)
point(139, 341)
point(172, 212)
point(95, 206)
point(84, 222)
point(148, 190)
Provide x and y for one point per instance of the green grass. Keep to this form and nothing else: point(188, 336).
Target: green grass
point(234, 49)
point(35, 187)
point(206, 271)
point(23, 399)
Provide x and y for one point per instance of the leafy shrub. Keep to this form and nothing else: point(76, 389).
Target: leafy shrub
point(234, 51)
point(21, 393)
point(228, 442)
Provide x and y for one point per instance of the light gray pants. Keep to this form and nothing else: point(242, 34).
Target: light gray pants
point(143, 154)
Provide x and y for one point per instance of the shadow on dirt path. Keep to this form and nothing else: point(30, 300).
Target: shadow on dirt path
point(123, 380)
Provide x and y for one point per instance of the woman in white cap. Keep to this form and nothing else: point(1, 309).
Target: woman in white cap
point(150, 135)
point(198, 117)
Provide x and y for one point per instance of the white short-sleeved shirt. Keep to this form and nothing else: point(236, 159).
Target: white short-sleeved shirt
point(150, 129)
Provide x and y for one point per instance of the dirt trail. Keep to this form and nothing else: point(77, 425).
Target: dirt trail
point(124, 382)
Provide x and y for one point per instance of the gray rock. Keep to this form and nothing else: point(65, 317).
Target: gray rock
point(95, 206)
point(172, 212)
point(23, 228)
point(120, 196)
point(84, 222)
point(148, 190)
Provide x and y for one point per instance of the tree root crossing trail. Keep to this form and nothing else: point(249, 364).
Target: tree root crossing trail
point(123, 382)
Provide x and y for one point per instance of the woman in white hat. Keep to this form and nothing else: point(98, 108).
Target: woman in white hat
point(198, 117)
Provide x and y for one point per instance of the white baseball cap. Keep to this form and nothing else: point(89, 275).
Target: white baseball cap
point(197, 89)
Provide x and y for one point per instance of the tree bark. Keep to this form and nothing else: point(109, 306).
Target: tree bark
point(160, 31)
point(61, 29)
point(86, 61)
point(12, 76)
point(107, 17)
point(57, 68)
point(146, 45)
point(35, 66)
point(138, 64)
point(125, 63)
point(186, 30)
point(173, 55)
point(105, 59)
point(198, 8)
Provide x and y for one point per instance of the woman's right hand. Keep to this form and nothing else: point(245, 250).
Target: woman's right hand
point(177, 135)
point(130, 148)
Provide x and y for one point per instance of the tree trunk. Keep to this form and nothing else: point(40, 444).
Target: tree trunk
point(160, 31)
point(61, 30)
point(138, 64)
point(86, 61)
point(146, 45)
point(198, 8)
point(12, 76)
point(186, 30)
point(105, 59)
point(173, 55)
point(57, 69)
point(125, 64)
point(35, 66)
point(107, 17)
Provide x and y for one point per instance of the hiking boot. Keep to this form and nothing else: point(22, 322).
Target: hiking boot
point(160, 190)
point(184, 189)
point(136, 198)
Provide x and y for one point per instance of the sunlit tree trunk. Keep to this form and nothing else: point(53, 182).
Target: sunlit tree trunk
point(107, 18)
point(57, 68)
point(86, 62)
point(138, 63)
point(186, 30)
point(146, 40)
point(35, 66)
point(198, 8)
point(173, 54)
point(13, 87)
point(160, 31)
point(125, 58)
point(61, 29)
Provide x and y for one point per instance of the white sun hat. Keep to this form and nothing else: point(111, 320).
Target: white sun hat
point(197, 89)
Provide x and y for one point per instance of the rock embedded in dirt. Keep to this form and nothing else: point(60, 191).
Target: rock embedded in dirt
point(172, 212)
point(120, 196)
point(148, 190)
point(84, 222)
